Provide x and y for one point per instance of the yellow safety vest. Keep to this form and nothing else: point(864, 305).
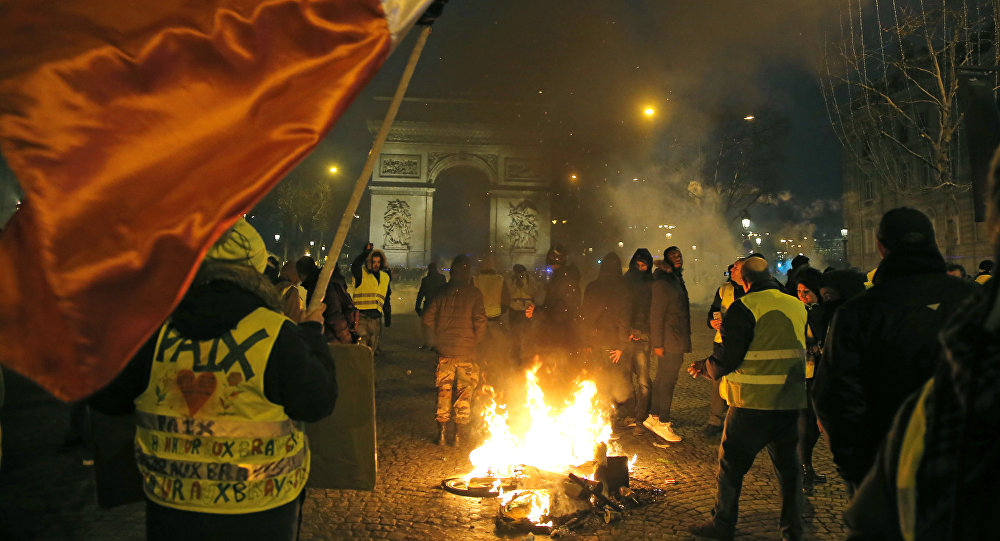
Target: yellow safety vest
point(983, 278)
point(491, 286)
point(772, 375)
point(370, 295)
point(521, 296)
point(910, 454)
point(727, 292)
point(207, 439)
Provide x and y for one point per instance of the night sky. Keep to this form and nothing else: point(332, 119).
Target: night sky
point(591, 67)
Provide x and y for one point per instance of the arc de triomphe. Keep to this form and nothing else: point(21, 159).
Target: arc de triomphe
point(404, 183)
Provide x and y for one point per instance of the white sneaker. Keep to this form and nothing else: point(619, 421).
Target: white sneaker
point(666, 431)
point(652, 423)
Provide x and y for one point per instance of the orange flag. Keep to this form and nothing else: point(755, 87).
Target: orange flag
point(139, 132)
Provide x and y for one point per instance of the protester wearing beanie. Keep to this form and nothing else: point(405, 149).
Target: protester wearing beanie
point(455, 323)
point(227, 358)
point(882, 345)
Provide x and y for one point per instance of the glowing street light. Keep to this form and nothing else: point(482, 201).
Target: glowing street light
point(749, 118)
point(649, 111)
point(333, 169)
point(757, 240)
point(745, 222)
point(277, 237)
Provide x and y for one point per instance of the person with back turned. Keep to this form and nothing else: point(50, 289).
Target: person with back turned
point(883, 345)
point(764, 364)
point(216, 395)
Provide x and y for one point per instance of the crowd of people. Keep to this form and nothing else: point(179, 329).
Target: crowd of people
point(895, 371)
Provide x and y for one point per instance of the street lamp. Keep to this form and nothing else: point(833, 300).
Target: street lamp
point(649, 111)
point(843, 235)
point(333, 169)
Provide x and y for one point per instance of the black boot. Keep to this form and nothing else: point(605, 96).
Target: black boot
point(442, 433)
point(816, 478)
point(807, 479)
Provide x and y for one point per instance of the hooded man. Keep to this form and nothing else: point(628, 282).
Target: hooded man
point(883, 345)
point(558, 313)
point(639, 282)
point(456, 323)
point(227, 372)
point(372, 296)
point(605, 321)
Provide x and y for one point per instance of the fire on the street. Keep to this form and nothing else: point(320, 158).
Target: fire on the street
point(533, 457)
point(555, 440)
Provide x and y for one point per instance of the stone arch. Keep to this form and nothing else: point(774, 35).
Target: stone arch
point(441, 162)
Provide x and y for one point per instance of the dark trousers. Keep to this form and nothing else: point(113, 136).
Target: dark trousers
point(746, 432)
point(520, 330)
point(638, 352)
point(667, 369)
point(808, 429)
point(716, 405)
point(278, 524)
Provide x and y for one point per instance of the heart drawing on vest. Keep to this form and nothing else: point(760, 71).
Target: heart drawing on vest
point(196, 391)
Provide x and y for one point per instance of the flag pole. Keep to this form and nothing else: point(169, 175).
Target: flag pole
point(366, 173)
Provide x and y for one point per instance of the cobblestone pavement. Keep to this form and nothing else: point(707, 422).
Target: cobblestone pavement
point(46, 492)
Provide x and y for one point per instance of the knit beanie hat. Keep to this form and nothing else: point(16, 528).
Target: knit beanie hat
point(242, 244)
point(907, 230)
point(812, 279)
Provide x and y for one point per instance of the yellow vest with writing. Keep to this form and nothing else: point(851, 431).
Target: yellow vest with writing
point(491, 286)
point(207, 439)
point(727, 292)
point(371, 293)
point(772, 375)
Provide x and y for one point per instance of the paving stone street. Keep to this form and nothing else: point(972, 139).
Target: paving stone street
point(46, 491)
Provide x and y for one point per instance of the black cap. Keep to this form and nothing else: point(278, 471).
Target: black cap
point(905, 229)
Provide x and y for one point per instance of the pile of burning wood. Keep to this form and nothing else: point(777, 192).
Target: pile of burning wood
point(548, 503)
point(552, 473)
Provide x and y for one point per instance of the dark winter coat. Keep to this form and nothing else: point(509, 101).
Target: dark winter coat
point(340, 319)
point(559, 313)
point(959, 467)
point(429, 287)
point(606, 307)
point(300, 373)
point(640, 287)
point(456, 319)
point(881, 347)
point(670, 314)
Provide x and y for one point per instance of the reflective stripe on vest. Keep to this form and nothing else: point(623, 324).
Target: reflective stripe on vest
point(727, 294)
point(491, 286)
point(207, 439)
point(910, 454)
point(371, 293)
point(772, 374)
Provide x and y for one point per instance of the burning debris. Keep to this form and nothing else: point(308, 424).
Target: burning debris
point(557, 473)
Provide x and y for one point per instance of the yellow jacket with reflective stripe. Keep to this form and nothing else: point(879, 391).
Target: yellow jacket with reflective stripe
point(207, 439)
point(370, 294)
point(772, 374)
point(491, 286)
point(727, 293)
point(521, 296)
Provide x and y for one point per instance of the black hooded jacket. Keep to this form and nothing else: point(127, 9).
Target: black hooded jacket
point(640, 288)
point(880, 348)
point(670, 314)
point(606, 307)
point(300, 373)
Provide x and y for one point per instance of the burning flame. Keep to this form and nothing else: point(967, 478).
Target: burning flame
point(555, 439)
